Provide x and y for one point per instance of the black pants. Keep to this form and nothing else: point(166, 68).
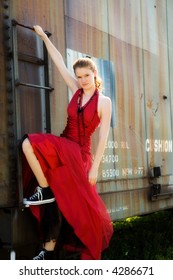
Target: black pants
point(54, 226)
point(51, 221)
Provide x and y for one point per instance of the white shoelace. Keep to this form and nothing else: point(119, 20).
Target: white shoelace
point(38, 193)
point(40, 256)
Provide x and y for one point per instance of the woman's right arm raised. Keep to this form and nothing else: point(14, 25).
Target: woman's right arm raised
point(58, 60)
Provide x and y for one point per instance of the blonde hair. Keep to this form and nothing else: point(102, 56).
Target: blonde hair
point(88, 62)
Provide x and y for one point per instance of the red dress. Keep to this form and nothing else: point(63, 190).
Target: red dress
point(66, 161)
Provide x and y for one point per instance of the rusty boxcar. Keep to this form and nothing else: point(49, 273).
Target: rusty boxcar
point(132, 43)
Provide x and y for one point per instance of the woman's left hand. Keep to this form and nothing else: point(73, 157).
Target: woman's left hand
point(92, 176)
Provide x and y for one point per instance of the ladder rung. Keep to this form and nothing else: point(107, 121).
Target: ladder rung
point(30, 59)
point(18, 83)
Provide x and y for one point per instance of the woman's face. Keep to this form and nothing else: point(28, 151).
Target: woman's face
point(85, 77)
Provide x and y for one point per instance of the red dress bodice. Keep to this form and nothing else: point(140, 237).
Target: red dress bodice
point(82, 120)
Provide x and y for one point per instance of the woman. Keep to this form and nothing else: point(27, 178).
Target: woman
point(63, 166)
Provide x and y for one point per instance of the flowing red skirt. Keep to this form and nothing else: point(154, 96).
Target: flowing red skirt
point(65, 168)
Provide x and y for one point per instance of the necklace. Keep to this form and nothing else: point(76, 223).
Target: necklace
point(80, 107)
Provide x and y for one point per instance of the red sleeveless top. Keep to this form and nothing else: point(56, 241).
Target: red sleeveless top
point(82, 120)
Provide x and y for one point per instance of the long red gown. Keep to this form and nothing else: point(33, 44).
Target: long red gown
point(66, 161)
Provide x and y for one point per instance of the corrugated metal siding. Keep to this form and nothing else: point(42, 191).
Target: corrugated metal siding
point(134, 38)
point(156, 80)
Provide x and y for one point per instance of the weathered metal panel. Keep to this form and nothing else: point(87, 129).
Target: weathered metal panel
point(90, 13)
point(50, 15)
point(87, 27)
point(156, 82)
point(133, 39)
point(130, 131)
point(30, 101)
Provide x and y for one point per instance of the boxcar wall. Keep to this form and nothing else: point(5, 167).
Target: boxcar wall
point(131, 42)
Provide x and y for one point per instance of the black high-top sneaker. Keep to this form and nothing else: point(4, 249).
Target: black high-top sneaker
point(41, 196)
